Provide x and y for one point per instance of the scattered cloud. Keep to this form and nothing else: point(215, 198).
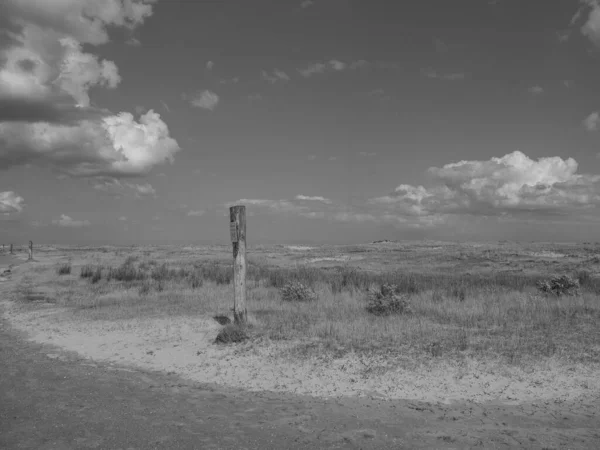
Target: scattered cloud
point(66, 221)
point(142, 189)
point(314, 199)
point(449, 76)
point(233, 80)
point(210, 65)
point(536, 90)
point(165, 106)
point(122, 218)
point(312, 157)
point(591, 28)
point(332, 65)
point(205, 99)
point(367, 154)
point(277, 75)
point(133, 42)
point(307, 4)
point(117, 188)
point(195, 213)
point(11, 202)
point(332, 158)
point(255, 97)
point(592, 122)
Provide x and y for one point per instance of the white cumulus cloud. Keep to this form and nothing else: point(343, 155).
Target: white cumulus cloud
point(66, 221)
point(592, 122)
point(205, 99)
point(511, 184)
point(11, 202)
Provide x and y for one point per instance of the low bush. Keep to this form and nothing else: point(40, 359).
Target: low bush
point(87, 271)
point(387, 300)
point(297, 292)
point(559, 285)
point(64, 269)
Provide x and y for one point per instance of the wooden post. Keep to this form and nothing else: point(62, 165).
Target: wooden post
point(30, 250)
point(11, 250)
point(237, 231)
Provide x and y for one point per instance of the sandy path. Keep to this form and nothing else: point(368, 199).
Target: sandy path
point(185, 346)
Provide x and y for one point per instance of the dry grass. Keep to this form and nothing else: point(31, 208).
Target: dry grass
point(452, 315)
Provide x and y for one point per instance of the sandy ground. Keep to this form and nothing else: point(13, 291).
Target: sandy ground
point(185, 346)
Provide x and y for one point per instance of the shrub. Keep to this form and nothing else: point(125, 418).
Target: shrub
point(97, 275)
point(86, 271)
point(126, 272)
point(230, 334)
point(195, 281)
point(386, 301)
point(559, 285)
point(64, 269)
point(144, 289)
point(297, 292)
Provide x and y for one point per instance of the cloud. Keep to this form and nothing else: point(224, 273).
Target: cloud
point(195, 213)
point(591, 28)
point(278, 75)
point(367, 154)
point(312, 157)
point(314, 199)
point(85, 20)
point(536, 90)
point(210, 65)
point(46, 115)
point(306, 4)
point(11, 202)
point(450, 76)
point(115, 145)
point(142, 189)
point(115, 187)
point(332, 65)
point(255, 97)
point(205, 100)
point(592, 122)
point(513, 184)
point(133, 42)
point(66, 221)
point(122, 218)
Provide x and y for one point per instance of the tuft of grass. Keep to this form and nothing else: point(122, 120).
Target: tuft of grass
point(97, 276)
point(64, 269)
point(297, 292)
point(231, 334)
point(386, 301)
point(87, 271)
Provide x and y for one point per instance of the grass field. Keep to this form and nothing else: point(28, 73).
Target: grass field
point(465, 300)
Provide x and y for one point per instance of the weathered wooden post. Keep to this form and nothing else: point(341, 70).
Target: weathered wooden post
point(237, 231)
point(30, 251)
point(11, 250)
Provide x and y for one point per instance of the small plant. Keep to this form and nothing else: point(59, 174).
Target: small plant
point(231, 334)
point(97, 276)
point(195, 281)
point(64, 269)
point(386, 301)
point(297, 292)
point(559, 285)
point(144, 289)
point(87, 271)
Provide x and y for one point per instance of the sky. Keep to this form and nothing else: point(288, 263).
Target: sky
point(334, 121)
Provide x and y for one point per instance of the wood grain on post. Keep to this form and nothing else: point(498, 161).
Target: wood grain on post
point(11, 249)
point(237, 229)
point(30, 250)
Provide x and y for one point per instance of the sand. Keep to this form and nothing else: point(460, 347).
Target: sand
point(185, 346)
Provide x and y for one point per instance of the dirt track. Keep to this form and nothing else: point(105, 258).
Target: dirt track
point(51, 399)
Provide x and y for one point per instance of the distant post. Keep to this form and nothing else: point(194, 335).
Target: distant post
point(11, 250)
point(30, 250)
point(237, 231)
